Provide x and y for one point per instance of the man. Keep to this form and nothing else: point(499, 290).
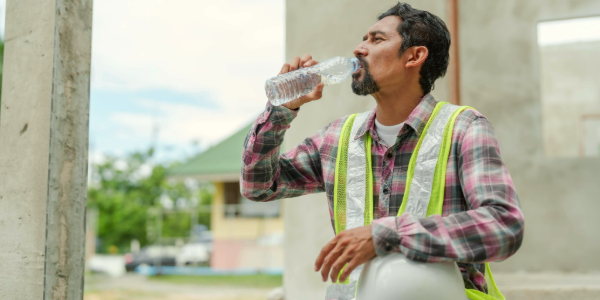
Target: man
point(401, 56)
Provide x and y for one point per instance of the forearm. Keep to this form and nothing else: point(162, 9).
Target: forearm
point(267, 175)
point(488, 233)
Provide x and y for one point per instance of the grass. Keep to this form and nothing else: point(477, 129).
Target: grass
point(257, 280)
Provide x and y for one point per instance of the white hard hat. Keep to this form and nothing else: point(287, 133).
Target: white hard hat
point(393, 277)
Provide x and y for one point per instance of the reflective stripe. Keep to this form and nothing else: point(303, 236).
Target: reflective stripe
point(356, 194)
point(427, 158)
point(355, 176)
point(344, 291)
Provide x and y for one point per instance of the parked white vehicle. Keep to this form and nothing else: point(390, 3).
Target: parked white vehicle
point(113, 265)
point(193, 254)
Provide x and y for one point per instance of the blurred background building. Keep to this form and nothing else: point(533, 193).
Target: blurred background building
point(246, 234)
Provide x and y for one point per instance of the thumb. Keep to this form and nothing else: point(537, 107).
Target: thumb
point(315, 94)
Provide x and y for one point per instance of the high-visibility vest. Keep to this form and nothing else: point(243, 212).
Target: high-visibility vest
point(424, 193)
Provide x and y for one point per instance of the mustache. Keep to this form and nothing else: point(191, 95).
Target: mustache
point(364, 64)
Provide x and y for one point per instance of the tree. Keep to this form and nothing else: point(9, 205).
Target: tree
point(1, 66)
point(122, 190)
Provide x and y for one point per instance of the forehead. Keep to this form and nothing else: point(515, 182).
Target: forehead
point(388, 25)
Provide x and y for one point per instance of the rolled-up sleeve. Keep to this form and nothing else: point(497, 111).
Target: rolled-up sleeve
point(266, 175)
point(493, 227)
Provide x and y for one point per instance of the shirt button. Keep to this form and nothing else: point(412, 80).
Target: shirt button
point(386, 191)
point(389, 155)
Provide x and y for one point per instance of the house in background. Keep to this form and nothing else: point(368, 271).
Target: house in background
point(246, 234)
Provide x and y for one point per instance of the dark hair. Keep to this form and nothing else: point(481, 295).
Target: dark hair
point(421, 28)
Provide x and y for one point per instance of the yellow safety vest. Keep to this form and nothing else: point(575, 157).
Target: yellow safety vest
point(354, 196)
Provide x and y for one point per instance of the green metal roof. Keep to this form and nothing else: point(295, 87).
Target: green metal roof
point(224, 158)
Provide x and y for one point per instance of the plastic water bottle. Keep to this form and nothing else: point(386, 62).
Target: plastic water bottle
point(289, 86)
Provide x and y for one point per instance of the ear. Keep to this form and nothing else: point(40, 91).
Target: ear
point(416, 56)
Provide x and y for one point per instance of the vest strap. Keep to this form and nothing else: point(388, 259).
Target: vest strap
point(353, 193)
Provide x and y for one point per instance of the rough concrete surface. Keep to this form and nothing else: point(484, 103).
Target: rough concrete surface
point(67, 182)
point(43, 158)
point(24, 140)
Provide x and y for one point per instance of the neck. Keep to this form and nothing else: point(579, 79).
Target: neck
point(395, 105)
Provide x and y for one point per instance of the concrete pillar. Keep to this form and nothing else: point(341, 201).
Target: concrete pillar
point(43, 148)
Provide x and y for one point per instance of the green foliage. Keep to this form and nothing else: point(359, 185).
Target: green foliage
point(123, 190)
point(1, 66)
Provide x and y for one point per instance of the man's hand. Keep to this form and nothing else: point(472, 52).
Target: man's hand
point(353, 246)
point(298, 63)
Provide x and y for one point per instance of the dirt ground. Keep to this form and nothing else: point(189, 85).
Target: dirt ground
point(136, 287)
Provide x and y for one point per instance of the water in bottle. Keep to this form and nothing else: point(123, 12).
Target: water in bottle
point(289, 86)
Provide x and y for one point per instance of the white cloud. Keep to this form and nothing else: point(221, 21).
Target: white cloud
point(180, 123)
point(2, 17)
point(227, 48)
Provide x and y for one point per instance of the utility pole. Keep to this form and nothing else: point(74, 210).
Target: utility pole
point(44, 148)
point(452, 7)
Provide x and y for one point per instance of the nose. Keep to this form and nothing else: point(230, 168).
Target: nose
point(360, 50)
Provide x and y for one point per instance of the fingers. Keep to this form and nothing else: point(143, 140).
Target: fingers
point(309, 63)
point(304, 59)
point(284, 69)
point(294, 63)
point(342, 260)
point(326, 249)
point(315, 94)
point(331, 260)
point(298, 63)
point(355, 262)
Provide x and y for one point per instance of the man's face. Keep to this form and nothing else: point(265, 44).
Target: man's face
point(378, 54)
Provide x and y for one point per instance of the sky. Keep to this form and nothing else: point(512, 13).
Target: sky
point(180, 74)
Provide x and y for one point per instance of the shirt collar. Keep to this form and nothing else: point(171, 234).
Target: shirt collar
point(416, 120)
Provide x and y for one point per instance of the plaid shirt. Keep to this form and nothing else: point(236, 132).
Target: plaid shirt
point(481, 220)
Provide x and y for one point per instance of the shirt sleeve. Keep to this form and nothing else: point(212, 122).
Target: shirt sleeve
point(491, 230)
point(266, 175)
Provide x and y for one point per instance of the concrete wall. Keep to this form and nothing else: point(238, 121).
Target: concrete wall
point(500, 69)
point(499, 77)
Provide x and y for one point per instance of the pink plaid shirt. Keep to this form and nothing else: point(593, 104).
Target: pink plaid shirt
point(481, 220)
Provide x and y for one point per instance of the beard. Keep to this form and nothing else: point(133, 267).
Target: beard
point(367, 85)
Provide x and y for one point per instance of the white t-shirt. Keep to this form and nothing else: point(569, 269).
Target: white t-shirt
point(388, 133)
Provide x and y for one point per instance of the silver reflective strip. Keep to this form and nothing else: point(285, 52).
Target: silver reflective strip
point(356, 186)
point(422, 181)
point(344, 291)
point(356, 176)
